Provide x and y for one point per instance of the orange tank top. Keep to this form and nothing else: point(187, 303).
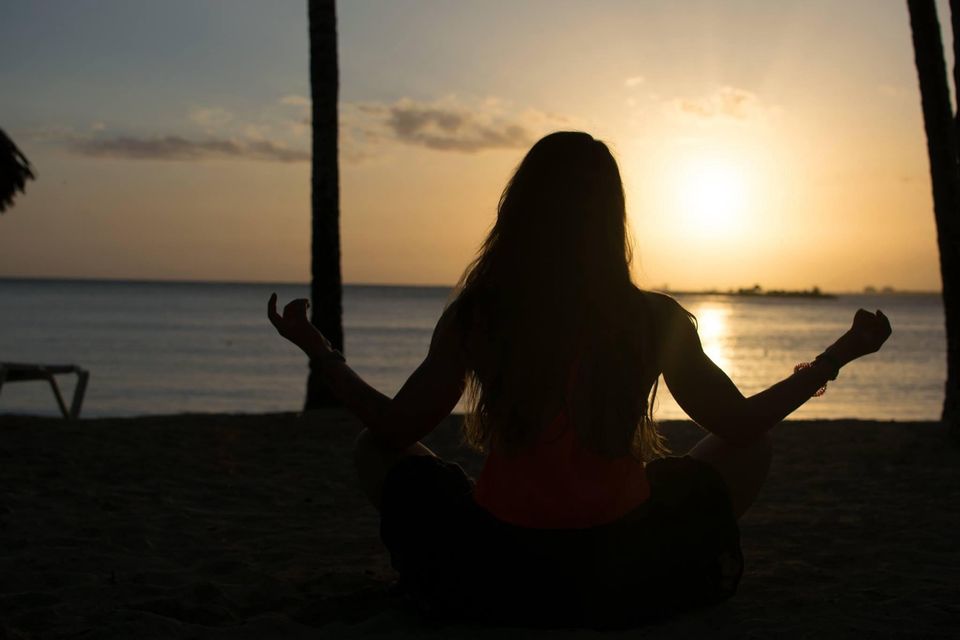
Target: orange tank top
point(560, 484)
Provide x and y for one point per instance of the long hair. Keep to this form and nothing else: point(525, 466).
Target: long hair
point(550, 318)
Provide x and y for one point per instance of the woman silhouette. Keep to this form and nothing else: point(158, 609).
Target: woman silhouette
point(578, 517)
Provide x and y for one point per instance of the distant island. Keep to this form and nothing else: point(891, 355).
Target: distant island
point(758, 291)
point(871, 290)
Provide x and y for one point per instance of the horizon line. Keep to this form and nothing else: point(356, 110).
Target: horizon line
point(703, 291)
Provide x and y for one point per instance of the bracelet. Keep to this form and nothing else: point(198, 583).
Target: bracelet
point(333, 354)
point(806, 365)
point(831, 361)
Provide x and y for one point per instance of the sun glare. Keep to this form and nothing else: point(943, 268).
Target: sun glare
point(711, 194)
point(713, 327)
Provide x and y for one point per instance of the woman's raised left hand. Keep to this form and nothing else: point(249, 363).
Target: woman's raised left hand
point(294, 325)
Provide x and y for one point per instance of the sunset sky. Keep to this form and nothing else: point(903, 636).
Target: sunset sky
point(778, 143)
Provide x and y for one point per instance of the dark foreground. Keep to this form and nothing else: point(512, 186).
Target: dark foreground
point(214, 526)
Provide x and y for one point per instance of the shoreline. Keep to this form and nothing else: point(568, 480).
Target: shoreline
point(454, 416)
point(250, 525)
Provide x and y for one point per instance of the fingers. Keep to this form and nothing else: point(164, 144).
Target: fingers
point(862, 315)
point(296, 307)
point(272, 309)
point(293, 309)
point(879, 317)
point(885, 320)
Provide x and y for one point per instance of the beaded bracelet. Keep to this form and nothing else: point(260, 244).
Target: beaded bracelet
point(823, 358)
point(806, 365)
point(830, 360)
point(333, 354)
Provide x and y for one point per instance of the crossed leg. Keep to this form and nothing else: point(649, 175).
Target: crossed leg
point(743, 468)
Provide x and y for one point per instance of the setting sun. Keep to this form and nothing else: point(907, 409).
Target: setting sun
point(711, 193)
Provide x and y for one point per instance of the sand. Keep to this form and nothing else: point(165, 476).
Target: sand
point(217, 526)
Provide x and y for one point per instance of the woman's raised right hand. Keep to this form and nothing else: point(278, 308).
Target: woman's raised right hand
point(867, 335)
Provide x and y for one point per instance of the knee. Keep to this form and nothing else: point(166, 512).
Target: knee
point(370, 453)
point(757, 445)
point(764, 443)
point(364, 448)
point(762, 450)
point(754, 453)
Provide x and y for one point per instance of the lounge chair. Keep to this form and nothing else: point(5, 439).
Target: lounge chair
point(20, 372)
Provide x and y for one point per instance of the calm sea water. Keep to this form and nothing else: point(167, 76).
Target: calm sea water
point(156, 348)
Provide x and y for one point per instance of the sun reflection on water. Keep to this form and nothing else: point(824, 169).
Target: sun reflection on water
point(714, 329)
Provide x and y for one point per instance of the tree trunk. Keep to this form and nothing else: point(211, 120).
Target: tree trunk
point(325, 287)
point(955, 29)
point(941, 130)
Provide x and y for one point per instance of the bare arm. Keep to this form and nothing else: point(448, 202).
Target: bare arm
point(428, 395)
point(711, 399)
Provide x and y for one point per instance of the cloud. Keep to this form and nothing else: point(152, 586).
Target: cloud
point(50, 133)
point(179, 148)
point(725, 104)
point(634, 81)
point(451, 129)
point(444, 125)
point(367, 129)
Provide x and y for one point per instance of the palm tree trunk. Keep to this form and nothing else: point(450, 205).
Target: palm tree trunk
point(941, 130)
point(325, 287)
point(955, 29)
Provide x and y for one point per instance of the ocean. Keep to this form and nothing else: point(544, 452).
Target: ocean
point(173, 347)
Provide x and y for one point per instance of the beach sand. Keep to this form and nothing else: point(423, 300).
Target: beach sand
point(250, 526)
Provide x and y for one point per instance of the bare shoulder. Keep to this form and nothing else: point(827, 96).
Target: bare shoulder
point(675, 328)
point(666, 311)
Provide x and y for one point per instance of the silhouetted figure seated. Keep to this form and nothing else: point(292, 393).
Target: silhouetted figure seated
point(578, 518)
